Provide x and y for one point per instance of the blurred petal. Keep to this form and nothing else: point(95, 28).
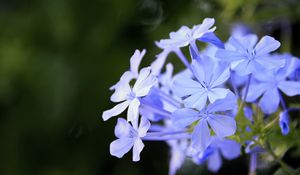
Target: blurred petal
point(135, 60)
point(222, 125)
point(229, 56)
point(210, 37)
point(137, 149)
point(201, 136)
point(143, 127)
point(121, 146)
point(217, 93)
point(184, 117)
point(158, 64)
point(256, 90)
point(221, 78)
point(214, 162)
point(290, 88)
point(266, 45)
point(230, 149)
point(122, 128)
point(122, 90)
point(118, 109)
point(197, 100)
point(183, 86)
point(133, 112)
point(270, 101)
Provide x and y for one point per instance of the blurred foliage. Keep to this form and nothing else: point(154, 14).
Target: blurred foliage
point(59, 57)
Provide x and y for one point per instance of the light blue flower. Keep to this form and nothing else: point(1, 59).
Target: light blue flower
point(129, 97)
point(268, 85)
point(133, 73)
point(129, 137)
point(206, 85)
point(178, 154)
point(218, 148)
point(215, 115)
point(246, 56)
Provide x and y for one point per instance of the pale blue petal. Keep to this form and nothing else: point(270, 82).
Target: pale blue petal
point(256, 90)
point(229, 56)
point(143, 127)
point(210, 37)
point(158, 64)
point(270, 101)
point(269, 62)
point(144, 82)
point(230, 149)
point(198, 69)
point(266, 45)
point(228, 103)
point(201, 136)
point(184, 117)
point(133, 112)
point(217, 93)
point(219, 79)
point(135, 60)
point(122, 128)
point(183, 86)
point(222, 125)
point(118, 109)
point(214, 162)
point(290, 88)
point(197, 100)
point(137, 149)
point(122, 90)
point(121, 146)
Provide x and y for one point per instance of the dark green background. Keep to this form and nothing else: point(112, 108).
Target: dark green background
point(59, 57)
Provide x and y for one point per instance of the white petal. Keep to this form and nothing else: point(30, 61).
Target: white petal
point(118, 109)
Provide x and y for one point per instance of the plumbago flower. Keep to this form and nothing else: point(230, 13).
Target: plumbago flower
point(128, 137)
point(246, 57)
point(206, 84)
point(129, 97)
point(133, 73)
point(270, 85)
point(215, 114)
point(208, 109)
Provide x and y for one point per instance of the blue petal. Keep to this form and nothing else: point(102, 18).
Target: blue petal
point(228, 103)
point(217, 93)
point(230, 149)
point(284, 121)
point(143, 127)
point(266, 45)
point(133, 112)
point(210, 37)
point(183, 86)
point(135, 60)
point(270, 101)
point(121, 146)
point(290, 88)
point(222, 125)
point(256, 90)
point(144, 82)
point(197, 100)
point(201, 136)
point(137, 149)
point(118, 109)
point(219, 78)
point(214, 162)
point(122, 128)
point(229, 55)
point(184, 117)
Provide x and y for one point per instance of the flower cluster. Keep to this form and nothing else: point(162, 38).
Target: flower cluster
point(199, 111)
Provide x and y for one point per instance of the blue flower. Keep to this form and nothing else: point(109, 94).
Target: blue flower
point(178, 154)
point(129, 137)
point(133, 73)
point(183, 37)
point(214, 114)
point(229, 149)
point(208, 78)
point(246, 57)
point(129, 97)
point(284, 121)
point(267, 85)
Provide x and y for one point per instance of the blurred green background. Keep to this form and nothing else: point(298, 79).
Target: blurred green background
point(59, 57)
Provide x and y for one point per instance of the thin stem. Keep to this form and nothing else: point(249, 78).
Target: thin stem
point(182, 58)
point(283, 165)
point(253, 164)
point(155, 109)
point(167, 137)
point(246, 92)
